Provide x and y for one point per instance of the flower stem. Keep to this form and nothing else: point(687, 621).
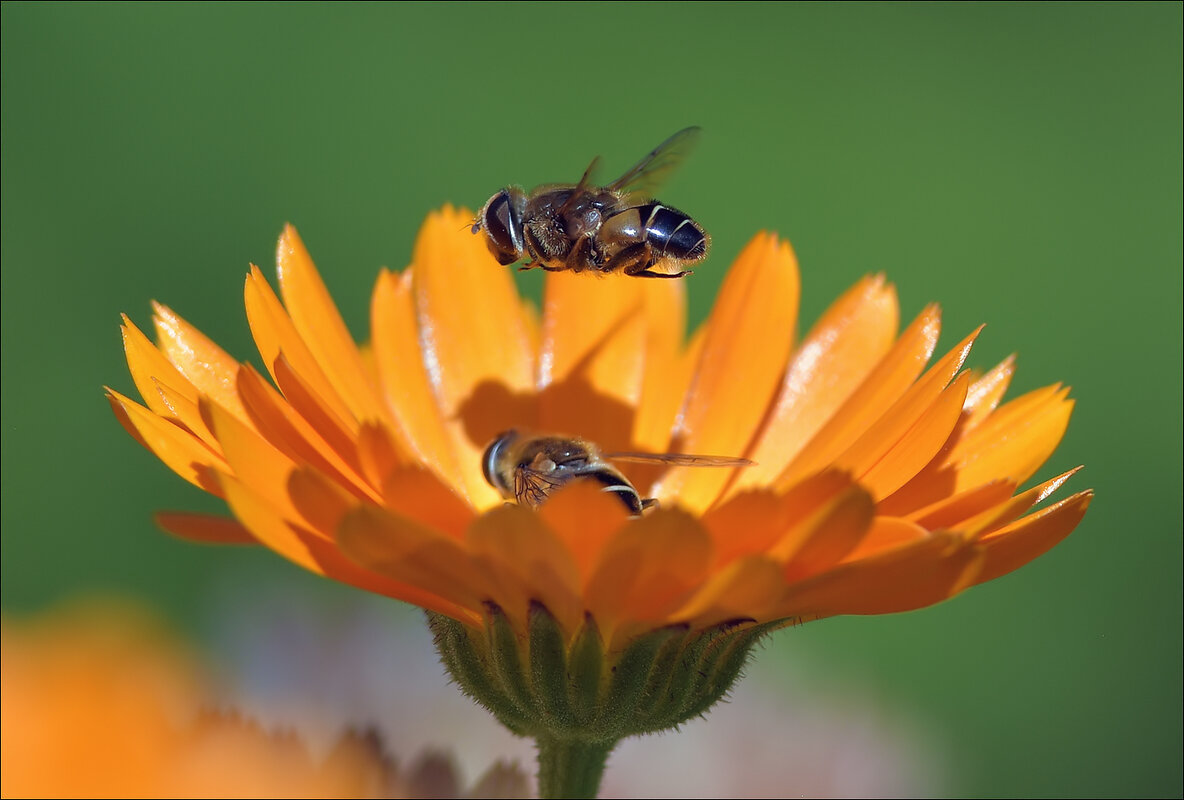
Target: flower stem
point(570, 767)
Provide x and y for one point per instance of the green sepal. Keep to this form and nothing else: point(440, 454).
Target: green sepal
point(544, 683)
point(585, 664)
point(548, 668)
point(658, 691)
point(576, 699)
point(507, 658)
point(468, 663)
point(703, 679)
point(727, 668)
point(626, 688)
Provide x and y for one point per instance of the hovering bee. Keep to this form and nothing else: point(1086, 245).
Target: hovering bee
point(583, 227)
point(528, 469)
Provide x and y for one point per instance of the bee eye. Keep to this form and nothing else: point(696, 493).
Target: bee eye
point(489, 460)
point(503, 230)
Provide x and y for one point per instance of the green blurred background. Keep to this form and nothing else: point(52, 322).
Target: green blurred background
point(1021, 164)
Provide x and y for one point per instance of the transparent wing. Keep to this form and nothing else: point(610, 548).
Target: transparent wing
point(649, 173)
point(586, 179)
point(681, 459)
point(577, 192)
point(532, 487)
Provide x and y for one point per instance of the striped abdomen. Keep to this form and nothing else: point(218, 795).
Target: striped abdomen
point(671, 232)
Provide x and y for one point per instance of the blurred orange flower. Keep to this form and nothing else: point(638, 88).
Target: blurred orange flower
point(880, 485)
point(99, 701)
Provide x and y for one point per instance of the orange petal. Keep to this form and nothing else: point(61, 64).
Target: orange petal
point(1011, 547)
point(320, 503)
point(749, 338)
point(585, 518)
point(204, 364)
point(146, 364)
point(403, 551)
point(887, 533)
point(821, 540)
point(897, 422)
point(339, 433)
point(124, 419)
point(470, 320)
point(472, 334)
point(836, 356)
point(647, 570)
point(986, 392)
point(403, 377)
point(580, 318)
point(748, 588)
point(319, 324)
point(533, 325)
point(749, 523)
point(886, 384)
point(752, 522)
point(185, 411)
point(665, 388)
point(180, 450)
point(420, 495)
point(664, 377)
point(378, 452)
point(203, 528)
point(1005, 512)
point(268, 525)
point(949, 511)
point(290, 432)
point(254, 461)
point(590, 367)
point(274, 334)
point(899, 579)
point(1013, 441)
point(316, 555)
point(919, 445)
point(513, 541)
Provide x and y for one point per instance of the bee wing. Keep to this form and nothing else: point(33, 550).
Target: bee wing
point(577, 192)
point(681, 459)
point(586, 179)
point(648, 174)
point(532, 487)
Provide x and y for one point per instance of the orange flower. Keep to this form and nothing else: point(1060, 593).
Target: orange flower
point(880, 486)
point(98, 701)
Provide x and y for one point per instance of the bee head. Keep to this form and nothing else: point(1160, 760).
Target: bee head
point(501, 219)
point(493, 455)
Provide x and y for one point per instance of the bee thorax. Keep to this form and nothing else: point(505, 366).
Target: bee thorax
point(585, 221)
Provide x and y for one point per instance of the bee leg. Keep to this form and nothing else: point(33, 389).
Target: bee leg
point(531, 252)
point(649, 273)
point(649, 502)
point(632, 260)
point(580, 256)
point(636, 261)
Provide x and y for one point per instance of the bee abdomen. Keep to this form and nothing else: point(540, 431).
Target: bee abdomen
point(617, 485)
point(673, 233)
